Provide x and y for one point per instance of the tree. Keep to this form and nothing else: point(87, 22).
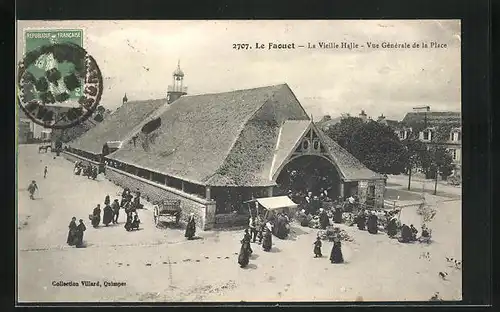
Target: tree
point(374, 144)
point(415, 153)
point(440, 162)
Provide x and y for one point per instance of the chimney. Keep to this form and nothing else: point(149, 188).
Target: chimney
point(362, 115)
point(125, 99)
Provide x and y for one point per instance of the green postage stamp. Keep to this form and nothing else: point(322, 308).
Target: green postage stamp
point(34, 39)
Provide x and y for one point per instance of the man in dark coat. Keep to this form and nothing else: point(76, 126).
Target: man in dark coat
point(268, 240)
point(361, 220)
point(116, 210)
point(405, 234)
point(372, 223)
point(336, 254)
point(261, 229)
point(253, 228)
point(79, 234)
point(107, 217)
point(315, 204)
point(72, 232)
point(323, 219)
point(317, 248)
point(190, 228)
point(337, 215)
point(96, 216)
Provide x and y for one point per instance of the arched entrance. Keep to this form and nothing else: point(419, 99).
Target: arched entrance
point(309, 173)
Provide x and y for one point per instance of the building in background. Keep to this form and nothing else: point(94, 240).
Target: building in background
point(433, 129)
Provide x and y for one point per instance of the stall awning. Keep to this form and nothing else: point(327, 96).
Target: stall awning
point(271, 203)
point(114, 144)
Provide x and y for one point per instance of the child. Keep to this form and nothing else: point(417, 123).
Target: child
point(317, 248)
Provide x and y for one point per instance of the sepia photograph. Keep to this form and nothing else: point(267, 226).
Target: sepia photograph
point(238, 161)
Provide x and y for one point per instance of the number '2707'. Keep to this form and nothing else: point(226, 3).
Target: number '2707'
point(241, 46)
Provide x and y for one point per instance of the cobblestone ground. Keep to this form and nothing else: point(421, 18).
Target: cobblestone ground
point(160, 265)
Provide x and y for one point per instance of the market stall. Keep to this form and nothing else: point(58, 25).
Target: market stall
point(269, 207)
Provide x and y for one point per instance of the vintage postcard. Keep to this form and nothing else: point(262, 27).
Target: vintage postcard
point(239, 161)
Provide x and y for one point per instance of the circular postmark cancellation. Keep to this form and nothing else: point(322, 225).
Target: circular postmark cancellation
point(48, 77)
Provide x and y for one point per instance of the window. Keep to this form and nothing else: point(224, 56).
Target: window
point(305, 144)
point(426, 135)
point(316, 144)
point(455, 136)
point(402, 134)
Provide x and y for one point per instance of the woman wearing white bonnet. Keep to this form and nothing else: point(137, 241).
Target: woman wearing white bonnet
point(191, 227)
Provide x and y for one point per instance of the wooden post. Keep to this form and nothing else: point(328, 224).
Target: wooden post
point(182, 185)
point(341, 189)
point(436, 182)
point(137, 171)
point(270, 191)
point(166, 180)
point(207, 193)
point(151, 175)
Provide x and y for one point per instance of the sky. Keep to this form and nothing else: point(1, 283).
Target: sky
point(139, 57)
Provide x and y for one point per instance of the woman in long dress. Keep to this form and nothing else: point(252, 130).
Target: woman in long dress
point(405, 234)
point(190, 228)
point(337, 215)
point(317, 248)
point(372, 223)
point(323, 219)
point(79, 234)
point(72, 232)
point(107, 201)
point(268, 240)
point(243, 257)
point(96, 216)
point(336, 254)
point(392, 228)
point(107, 216)
point(361, 220)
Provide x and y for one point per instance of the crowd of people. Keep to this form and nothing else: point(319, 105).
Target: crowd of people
point(365, 219)
point(111, 211)
point(260, 233)
point(87, 170)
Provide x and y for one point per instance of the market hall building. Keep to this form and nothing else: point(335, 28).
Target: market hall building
point(216, 151)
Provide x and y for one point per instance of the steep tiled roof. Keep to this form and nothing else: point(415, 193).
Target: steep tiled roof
point(432, 117)
point(116, 126)
point(205, 137)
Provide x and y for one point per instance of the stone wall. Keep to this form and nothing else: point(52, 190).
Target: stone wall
point(203, 210)
point(379, 191)
point(362, 191)
point(228, 220)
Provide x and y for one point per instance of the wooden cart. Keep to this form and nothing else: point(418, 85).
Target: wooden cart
point(167, 211)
